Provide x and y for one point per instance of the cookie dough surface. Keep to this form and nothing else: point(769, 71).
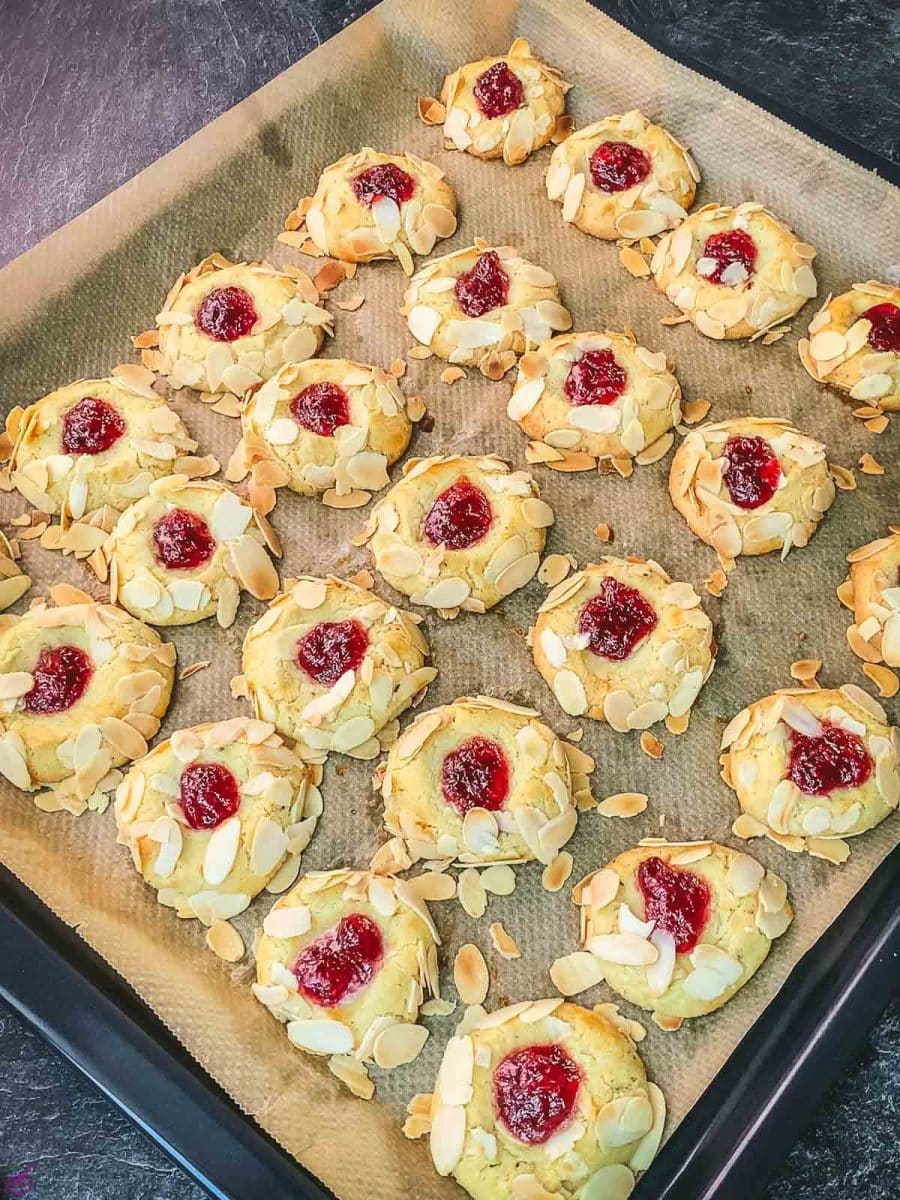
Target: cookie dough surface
point(873, 595)
point(765, 270)
point(213, 813)
point(202, 523)
point(640, 955)
point(591, 174)
point(523, 298)
point(706, 476)
point(459, 532)
point(368, 656)
point(655, 641)
point(503, 107)
point(607, 1129)
point(596, 393)
point(854, 344)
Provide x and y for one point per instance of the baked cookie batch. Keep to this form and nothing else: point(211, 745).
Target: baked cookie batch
point(543, 1098)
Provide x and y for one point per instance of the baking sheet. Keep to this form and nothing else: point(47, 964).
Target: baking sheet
point(69, 307)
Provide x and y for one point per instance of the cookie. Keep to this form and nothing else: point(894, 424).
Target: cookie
point(225, 327)
point(676, 928)
point(544, 1098)
point(331, 665)
point(735, 272)
point(83, 689)
point(370, 205)
point(214, 813)
point(620, 642)
point(872, 593)
point(622, 177)
point(344, 960)
point(597, 394)
point(184, 553)
point(482, 781)
point(751, 485)
point(458, 532)
point(326, 427)
point(503, 107)
point(809, 767)
point(854, 344)
point(480, 306)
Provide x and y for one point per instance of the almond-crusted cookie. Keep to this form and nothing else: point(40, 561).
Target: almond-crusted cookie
point(872, 593)
point(854, 344)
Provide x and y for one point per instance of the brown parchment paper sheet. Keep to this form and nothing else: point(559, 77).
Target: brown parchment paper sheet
point(68, 308)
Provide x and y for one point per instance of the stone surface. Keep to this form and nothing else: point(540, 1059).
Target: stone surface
point(85, 103)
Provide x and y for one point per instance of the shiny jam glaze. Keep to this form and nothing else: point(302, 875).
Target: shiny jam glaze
point(459, 517)
point(678, 901)
point(535, 1090)
point(596, 378)
point(835, 759)
point(484, 288)
point(616, 619)
point(90, 427)
point(751, 472)
point(321, 408)
point(498, 91)
point(209, 793)
point(182, 540)
point(383, 180)
point(341, 962)
point(885, 331)
point(724, 249)
point(475, 775)
point(618, 166)
point(61, 676)
point(330, 648)
point(226, 314)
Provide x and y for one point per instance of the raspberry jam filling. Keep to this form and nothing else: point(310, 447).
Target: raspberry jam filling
point(321, 408)
point(484, 288)
point(498, 91)
point(751, 472)
point(885, 331)
point(459, 517)
point(596, 378)
point(182, 540)
point(475, 774)
point(384, 180)
point(330, 648)
point(90, 427)
point(535, 1090)
point(728, 258)
point(835, 759)
point(61, 676)
point(226, 314)
point(618, 166)
point(341, 962)
point(616, 619)
point(209, 793)
point(678, 901)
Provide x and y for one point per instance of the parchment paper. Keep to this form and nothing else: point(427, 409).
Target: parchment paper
point(69, 306)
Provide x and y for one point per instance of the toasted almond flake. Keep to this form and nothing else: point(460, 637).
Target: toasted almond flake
point(225, 941)
point(471, 893)
point(878, 424)
point(805, 669)
point(431, 111)
point(451, 374)
point(634, 262)
point(321, 1036)
point(623, 804)
point(869, 466)
point(843, 478)
point(353, 1075)
point(470, 974)
point(556, 873)
point(499, 880)
point(651, 745)
point(884, 679)
point(603, 532)
point(554, 569)
point(448, 1136)
point(398, 1044)
point(576, 972)
point(629, 949)
point(833, 850)
point(193, 668)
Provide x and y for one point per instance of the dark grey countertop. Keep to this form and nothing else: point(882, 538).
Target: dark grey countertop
point(86, 101)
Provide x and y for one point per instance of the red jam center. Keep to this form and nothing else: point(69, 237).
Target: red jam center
point(733, 246)
point(484, 288)
point(498, 91)
point(834, 759)
point(618, 166)
point(678, 901)
point(182, 540)
point(226, 314)
point(90, 427)
point(383, 180)
point(321, 408)
point(885, 331)
point(475, 774)
point(60, 678)
point(341, 962)
point(535, 1090)
point(330, 648)
point(751, 472)
point(596, 378)
point(210, 794)
point(616, 619)
point(460, 517)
